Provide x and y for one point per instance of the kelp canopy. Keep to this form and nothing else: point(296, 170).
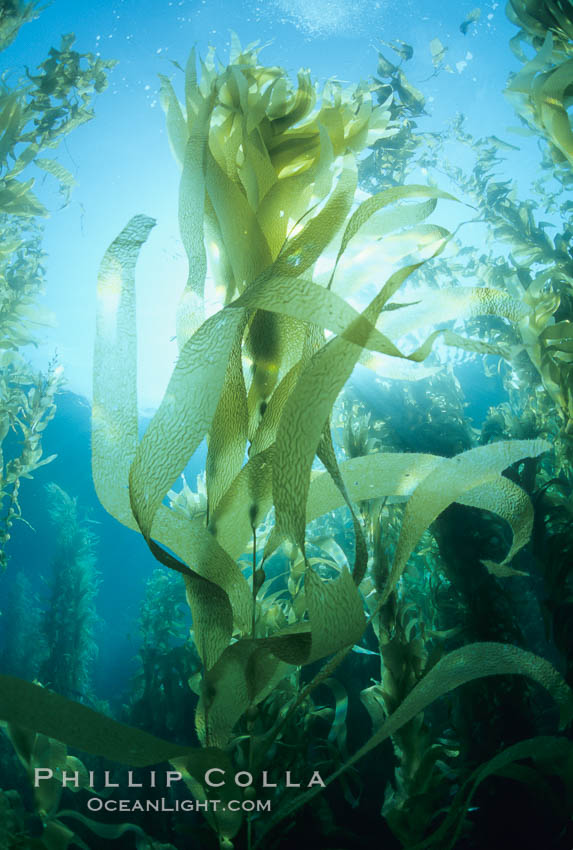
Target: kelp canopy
point(268, 205)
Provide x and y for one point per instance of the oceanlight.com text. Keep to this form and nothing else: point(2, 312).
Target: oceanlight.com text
point(96, 804)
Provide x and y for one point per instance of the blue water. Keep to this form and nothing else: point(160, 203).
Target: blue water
point(122, 160)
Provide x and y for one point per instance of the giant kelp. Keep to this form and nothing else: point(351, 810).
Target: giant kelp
point(70, 619)
point(267, 201)
point(541, 90)
point(235, 141)
point(35, 116)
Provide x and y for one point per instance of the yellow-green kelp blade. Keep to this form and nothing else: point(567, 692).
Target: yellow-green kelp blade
point(307, 410)
point(380, 200)
point(390, 475)
point(217, 590)
point(442, 305)
point(114, 412)
point(446, 484)
point(184, 415)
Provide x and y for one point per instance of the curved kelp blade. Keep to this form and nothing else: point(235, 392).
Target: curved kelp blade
point(250, 495)
point(228, 433)
point(377, 202)
point(443, 305)
point(446, 484)
point(390, 475)
point(382, 475)
point(244, 242)
point(184, 415)
point(458, 667)
point(114, 412)
point(326, 454)
point(511, 503)
point(107, 831)
point(464, 665)
point(244, 675)
point(131, 480)
point(303, 250)
point(190, 313)
point(302, 299)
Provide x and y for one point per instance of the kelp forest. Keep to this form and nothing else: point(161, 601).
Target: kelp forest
point(359, 629)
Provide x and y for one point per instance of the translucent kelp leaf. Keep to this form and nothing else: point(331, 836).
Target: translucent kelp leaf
point(410, 96)
point(228, 436)
point(241, 677)
point(56, 836)
point(266, 432)
point(445, 304)
point(302, 299)
point(471, 18)
point(217, 583)
point(303, 250)
point(512, 503)
point(244, 243)
point(374, 476)
point(464, 665)
point(290, 197)
point(335, 612)
point(540, 92)
point(63, 176)
point(404, 51)
point(114, 412)
point(107, 831)
point(338, 729)
point(385, 68)
point(190, 312)
point(446, 484)
point(18, 199)
point(177, 131)
point(305, 414)
point(307, 410)
point(398, 370)
point(438, 52)
point(78, 726)
point(393, 218)
point(326, 454)
point(184, 415)
point(193, 544)
point(36, 708)
point(248, 497)
point(389, 475)
point(382, 199)
point(76, 766)
point(36, 750)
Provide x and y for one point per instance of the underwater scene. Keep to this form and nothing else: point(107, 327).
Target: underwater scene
point(286, 425)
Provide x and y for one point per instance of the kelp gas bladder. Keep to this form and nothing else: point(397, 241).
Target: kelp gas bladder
point(267, 201)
